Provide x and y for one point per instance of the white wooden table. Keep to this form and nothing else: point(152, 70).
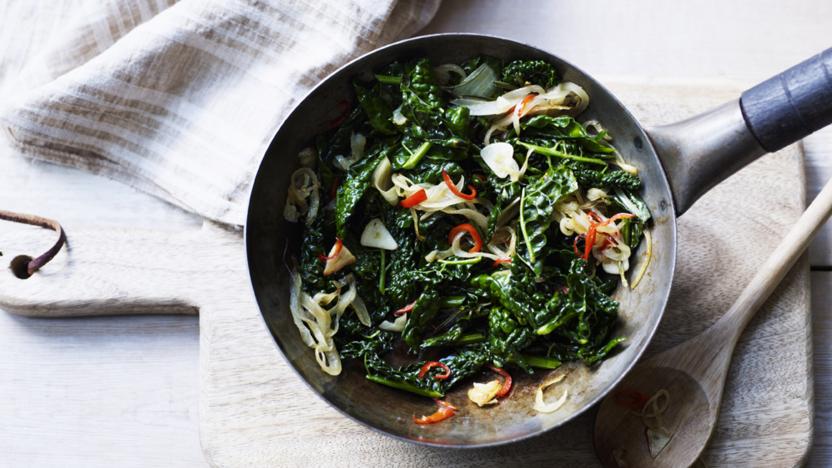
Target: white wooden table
point(122, 391)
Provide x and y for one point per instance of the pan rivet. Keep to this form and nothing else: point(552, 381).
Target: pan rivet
point(663, 205)
point(638, 143)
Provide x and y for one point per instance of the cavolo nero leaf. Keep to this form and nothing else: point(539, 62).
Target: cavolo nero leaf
point(353, 188)
point(378, 111)
point(565, 127)
point(536, 208)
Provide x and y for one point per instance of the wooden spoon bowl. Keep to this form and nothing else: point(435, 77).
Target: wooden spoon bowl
point(624, 440)
point(664, 411)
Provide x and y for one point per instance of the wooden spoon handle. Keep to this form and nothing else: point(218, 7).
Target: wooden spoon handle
point(778, 264)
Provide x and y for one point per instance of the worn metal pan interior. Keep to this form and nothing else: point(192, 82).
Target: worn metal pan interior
point(391, 411)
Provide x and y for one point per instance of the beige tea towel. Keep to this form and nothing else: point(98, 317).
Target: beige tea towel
point(178, 99)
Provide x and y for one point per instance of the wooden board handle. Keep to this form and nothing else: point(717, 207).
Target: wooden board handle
point(107, 271)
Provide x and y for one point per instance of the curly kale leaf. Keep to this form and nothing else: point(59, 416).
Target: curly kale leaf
point(352, 190)
point(536, 208)
point(378, 111)
point(523, 72)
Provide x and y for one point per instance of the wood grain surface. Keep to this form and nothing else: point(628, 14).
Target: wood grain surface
point(255, 414)
point(255, 411)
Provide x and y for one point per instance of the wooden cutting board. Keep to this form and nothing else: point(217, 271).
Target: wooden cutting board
point(255, 411)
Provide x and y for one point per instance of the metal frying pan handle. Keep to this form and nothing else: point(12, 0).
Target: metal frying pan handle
point(700, 152)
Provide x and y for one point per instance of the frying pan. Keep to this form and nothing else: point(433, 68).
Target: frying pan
point(677, 164)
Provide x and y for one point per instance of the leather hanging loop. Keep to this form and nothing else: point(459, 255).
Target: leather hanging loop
point(24, 266)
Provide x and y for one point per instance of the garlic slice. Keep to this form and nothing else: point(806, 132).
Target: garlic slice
point(485, 393)
point(376, 235)
point(499, 157)
point(344, 258)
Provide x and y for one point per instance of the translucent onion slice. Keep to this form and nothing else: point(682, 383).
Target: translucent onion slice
point(361, 311)
point(564, 96)
point(501, 105)
point(399, 118)
point(540, 404)
point(648, 238)
point(382, 182)
point(394, 326)
point(443, 72)
point(376, 235)
point(302, 197)
point(595, 194)
point(297, 311)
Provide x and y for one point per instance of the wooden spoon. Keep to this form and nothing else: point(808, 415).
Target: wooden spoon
point(685, 382)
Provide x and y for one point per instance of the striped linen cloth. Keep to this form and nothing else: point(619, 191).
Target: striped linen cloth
point(178, 99)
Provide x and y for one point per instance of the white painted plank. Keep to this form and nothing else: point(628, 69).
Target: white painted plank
point(116, 391)
point(818, 148)
point(821, 454)
point(103, 392)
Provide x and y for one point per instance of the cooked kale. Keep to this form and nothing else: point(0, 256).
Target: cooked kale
point(523, 72)
point(546, 304)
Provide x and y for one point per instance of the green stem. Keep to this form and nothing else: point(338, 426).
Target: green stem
point(467, 261)
point(417, 155)
point(382, 273)
point(404, 386)
point(389, 79)
point(523, 225)
point(541, 362)
point(470, 338)
point(553, 324)
point(558, 154)
point(452, 301)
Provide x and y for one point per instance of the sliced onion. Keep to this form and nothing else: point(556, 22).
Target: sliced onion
point(479, 83)
point(302, 197)
point(357, 144)
point(648, 238)
point(297, 311)
point(398, 118)
point(361, 311)
point(564, 96)
point(307, 157)
point(501, 105)
point(376, 235)
point(443, 73)
point(382, 182)
point(595, 194)
point(540, 405)
point(394, 326)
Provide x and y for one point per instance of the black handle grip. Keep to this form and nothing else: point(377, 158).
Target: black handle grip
point(791, 105)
